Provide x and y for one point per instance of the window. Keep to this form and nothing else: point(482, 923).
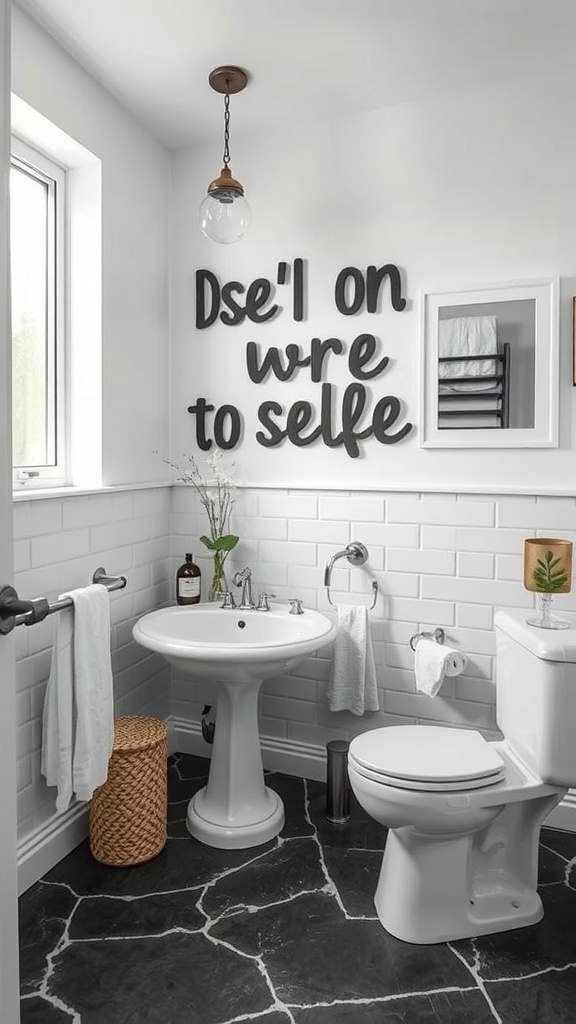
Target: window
point(38, 272)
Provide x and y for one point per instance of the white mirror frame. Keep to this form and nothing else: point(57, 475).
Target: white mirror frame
point(544, 433)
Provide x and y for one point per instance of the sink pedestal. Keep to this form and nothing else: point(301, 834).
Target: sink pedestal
point(235, 810)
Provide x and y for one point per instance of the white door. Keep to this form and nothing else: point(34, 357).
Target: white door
point(8, 881)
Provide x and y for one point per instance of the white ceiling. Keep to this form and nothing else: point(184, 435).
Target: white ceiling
point(306, 59)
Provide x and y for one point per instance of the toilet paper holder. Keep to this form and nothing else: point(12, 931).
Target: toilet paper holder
point(438, 635)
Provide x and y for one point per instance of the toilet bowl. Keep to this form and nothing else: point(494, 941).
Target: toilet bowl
point(464, 814)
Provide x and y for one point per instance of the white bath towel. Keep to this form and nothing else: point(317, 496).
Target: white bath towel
point(467, 336)
point(78, 721)
point(352, 685)
point(433, 661)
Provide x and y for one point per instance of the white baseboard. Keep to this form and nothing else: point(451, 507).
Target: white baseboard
point(309, 762)
point(278, 755)
point(40, 851)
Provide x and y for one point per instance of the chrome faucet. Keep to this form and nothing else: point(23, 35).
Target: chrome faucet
point(244, 579)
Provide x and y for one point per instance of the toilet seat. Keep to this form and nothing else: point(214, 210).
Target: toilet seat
point(427, 758)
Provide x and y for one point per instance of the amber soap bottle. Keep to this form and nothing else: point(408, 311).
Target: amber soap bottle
point(188, 580)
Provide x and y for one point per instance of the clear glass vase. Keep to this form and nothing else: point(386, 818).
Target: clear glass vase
point(546, 619)
point(219, 583)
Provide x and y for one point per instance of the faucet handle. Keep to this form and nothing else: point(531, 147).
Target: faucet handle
point(263, 605)
point(296, 606)
point(227, 599)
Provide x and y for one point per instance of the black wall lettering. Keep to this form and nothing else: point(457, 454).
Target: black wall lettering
point(230, 413)
point(199, 411)
point(272, 360)
point(237, 312)
point(298, 298)
point(362, 350)
point(299, 416)
point(345, 275)
point(374, 278)
point(258, 294)
point(275, 435)
point(203, 278)
point(386, 413)
point(318, 351)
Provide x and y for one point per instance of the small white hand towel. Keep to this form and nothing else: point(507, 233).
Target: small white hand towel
point(352, 685)
point(432, 662)
point(78, 725)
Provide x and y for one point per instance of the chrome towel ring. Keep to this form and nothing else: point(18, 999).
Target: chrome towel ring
point(357, 554)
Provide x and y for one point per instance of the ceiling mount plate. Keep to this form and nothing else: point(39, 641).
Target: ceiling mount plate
point(228, 78)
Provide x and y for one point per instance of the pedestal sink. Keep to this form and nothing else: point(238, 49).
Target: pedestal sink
point(238, 650)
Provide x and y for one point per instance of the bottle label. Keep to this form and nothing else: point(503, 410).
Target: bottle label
point(189, 587)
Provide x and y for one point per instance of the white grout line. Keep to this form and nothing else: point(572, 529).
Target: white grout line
point(475, 972)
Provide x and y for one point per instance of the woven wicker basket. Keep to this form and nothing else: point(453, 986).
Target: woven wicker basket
point(128, 813)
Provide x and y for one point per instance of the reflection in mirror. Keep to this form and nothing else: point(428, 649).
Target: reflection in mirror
point(478, 392)
point(489, 362)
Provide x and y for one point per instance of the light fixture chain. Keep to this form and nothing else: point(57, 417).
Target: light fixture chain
point(226, 129)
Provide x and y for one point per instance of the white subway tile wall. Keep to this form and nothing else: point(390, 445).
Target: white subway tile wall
point(440, 560)
point(60, 542)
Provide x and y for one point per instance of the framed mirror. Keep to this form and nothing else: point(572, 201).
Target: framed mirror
point(489, 366)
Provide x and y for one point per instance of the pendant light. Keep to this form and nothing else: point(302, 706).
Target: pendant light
point(225, 215)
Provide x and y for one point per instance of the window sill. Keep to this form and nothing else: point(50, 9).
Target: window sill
point(40, 493)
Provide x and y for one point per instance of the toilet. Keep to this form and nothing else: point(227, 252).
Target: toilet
point(464, 814)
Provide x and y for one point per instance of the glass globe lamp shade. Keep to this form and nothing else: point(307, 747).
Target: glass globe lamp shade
point(225, 214)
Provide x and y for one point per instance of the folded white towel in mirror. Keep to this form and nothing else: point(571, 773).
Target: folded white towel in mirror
point(352, 685)
point(467, 336)
point(433, 661)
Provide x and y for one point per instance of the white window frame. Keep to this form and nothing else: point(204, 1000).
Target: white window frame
point(33, 161)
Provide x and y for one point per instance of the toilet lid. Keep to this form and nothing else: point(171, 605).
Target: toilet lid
point(427, 757)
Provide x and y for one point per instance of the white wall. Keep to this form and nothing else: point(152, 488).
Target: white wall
point(59, 542)
point(476, 188)
point(135, 174)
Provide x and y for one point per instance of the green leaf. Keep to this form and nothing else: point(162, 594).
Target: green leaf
point(225, 543)
point(547, 577)
point(210, 544)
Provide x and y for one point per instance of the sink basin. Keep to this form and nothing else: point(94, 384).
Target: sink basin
point(238, 650)
point(210, 642)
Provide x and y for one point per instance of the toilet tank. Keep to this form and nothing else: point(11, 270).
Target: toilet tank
point(536, 695)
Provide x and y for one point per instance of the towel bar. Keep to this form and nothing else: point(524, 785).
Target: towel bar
point(357, 554)
point(438, 635)
point(14, 612)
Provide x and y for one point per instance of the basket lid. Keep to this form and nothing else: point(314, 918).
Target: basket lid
point(138, 732)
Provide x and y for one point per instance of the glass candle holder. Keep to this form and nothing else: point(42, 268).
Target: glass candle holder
point(547, 571)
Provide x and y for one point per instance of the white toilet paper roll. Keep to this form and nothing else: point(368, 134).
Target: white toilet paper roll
point(433, 661)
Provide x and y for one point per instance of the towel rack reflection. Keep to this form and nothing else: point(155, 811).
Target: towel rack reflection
point(357, 554)
point(14, 612)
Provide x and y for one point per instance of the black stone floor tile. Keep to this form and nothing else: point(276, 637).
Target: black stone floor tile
point(463, 1007)
point(274, 877)
point(177, 978)
point(515, 954)
point(183, 863)
point(538, 1000)
point(44, 913)
point(36, 1010)
point(140, 915)
point(284, 933)
point(551, 866)
point(562, 842)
